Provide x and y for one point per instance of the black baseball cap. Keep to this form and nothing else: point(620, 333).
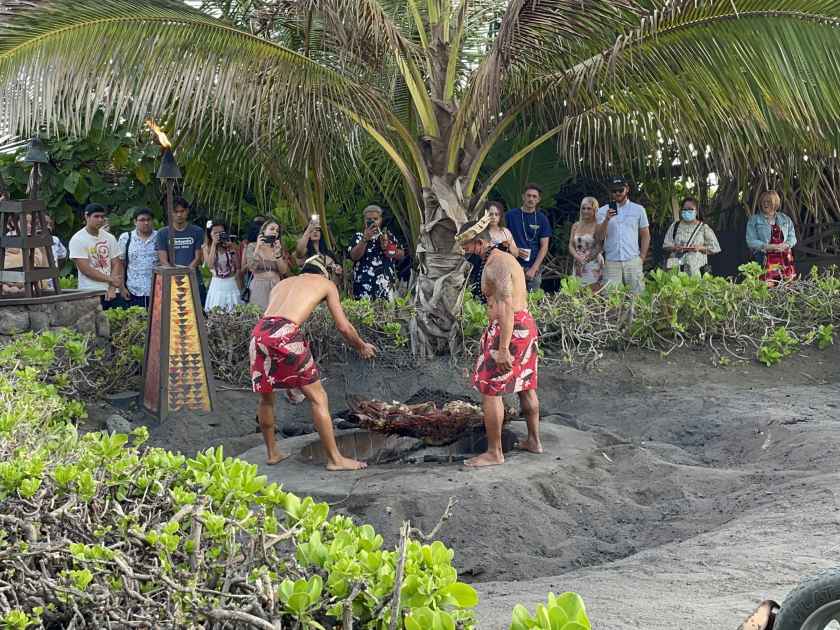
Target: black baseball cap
point(95, 208)
point(139, 212)
point(617, 181)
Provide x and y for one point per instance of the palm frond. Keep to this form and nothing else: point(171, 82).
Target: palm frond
point(63, 61)
point(732, 87)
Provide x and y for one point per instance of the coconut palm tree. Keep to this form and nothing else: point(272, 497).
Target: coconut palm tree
point(437, 83)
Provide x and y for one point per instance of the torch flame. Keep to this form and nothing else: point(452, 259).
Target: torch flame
point(161, 136)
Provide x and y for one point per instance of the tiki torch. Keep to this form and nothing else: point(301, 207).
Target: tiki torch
point(36, 154)
point(176, 364)
point(168, 173)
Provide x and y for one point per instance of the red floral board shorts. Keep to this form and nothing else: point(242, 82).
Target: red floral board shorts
point(488, 379)
point(280, 356)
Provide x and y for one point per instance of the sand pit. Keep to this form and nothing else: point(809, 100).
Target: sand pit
point(670, 490)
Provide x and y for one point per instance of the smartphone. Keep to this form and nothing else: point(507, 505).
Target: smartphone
point(369, 223)
point(613, 208)
point(315, 220)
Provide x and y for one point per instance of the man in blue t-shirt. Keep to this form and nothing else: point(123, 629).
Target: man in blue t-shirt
point(531, 233)
point(187, 240)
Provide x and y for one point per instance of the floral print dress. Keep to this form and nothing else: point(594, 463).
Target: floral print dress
point(374, 274)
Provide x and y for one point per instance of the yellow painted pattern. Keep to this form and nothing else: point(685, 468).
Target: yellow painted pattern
point(188, 387)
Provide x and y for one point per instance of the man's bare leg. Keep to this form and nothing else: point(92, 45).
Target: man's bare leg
point(317, 397)
point(265, 413)
point(530, 405)
point(494, 415)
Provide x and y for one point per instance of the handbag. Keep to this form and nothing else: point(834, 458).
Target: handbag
point(677, 261)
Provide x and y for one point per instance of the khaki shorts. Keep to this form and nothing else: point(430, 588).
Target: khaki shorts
point(630, 273)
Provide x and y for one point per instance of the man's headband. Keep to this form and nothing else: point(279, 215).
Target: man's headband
point(317, 261)
point(473, 231)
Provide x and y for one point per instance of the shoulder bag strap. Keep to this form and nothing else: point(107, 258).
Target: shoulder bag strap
point(127, 250)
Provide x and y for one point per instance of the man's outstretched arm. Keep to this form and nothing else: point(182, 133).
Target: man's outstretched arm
point(343, 325)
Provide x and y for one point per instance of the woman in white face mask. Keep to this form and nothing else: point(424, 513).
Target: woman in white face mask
point(689, 241)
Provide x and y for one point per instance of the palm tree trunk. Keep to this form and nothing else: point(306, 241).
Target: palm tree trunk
point(443, 271)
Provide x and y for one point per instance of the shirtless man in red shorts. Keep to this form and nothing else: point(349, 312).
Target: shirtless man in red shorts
point(507, 362)
point(280, 356)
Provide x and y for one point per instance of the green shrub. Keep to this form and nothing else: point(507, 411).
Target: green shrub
point(73, 363)
point(119, 532)
point(564, 612)
point(735, 320)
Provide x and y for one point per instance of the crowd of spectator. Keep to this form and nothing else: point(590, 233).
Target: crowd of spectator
point(608, 246)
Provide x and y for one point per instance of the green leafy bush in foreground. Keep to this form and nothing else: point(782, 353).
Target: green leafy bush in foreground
point(99, 531)
point(563, 612)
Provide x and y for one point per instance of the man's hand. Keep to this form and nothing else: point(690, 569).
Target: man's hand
point(370, 233)
point(115, 283)
point(124, 294)
point(110, 294)
point(367, 350)
point(503, 360)
point(531, 273)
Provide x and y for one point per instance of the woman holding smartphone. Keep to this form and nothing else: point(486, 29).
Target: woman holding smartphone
point(265, 260)
point(312, 243)
point(221, 257)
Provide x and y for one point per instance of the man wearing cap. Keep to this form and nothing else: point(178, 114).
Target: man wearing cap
point(623, 226)
point(280, 356)
point(375, 254)
point(139, 254)
point(97, 257)
point(508, 354)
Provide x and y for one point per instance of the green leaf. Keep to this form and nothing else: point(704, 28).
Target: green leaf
point(464, 594)
point(71, 182)
point(142, 175)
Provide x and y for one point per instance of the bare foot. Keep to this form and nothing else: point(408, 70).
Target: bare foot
point(345, 463)
point(485, 459)
point(531, 445)
point(275, 458)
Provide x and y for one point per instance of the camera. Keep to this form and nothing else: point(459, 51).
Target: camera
point(224, 237)
point(270, 240)
point(369, 222)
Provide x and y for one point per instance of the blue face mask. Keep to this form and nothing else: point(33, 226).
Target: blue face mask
point(688, 215)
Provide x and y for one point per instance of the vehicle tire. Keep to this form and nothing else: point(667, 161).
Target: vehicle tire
point(815, 602)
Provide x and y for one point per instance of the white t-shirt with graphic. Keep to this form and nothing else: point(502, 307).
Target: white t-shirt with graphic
point(99, 250)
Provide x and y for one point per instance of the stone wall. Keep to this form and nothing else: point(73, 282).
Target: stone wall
point(79, 312)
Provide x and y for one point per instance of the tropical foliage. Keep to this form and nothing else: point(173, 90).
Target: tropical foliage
point(109, 166)
point(122, 535)
point(291, 92)
point(735, 321)
point(563, 612)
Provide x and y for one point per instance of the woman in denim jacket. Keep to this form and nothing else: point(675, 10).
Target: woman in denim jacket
point(771, 237)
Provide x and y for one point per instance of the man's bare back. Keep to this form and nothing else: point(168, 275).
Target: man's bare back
point(295, 298)
point(502, 278)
